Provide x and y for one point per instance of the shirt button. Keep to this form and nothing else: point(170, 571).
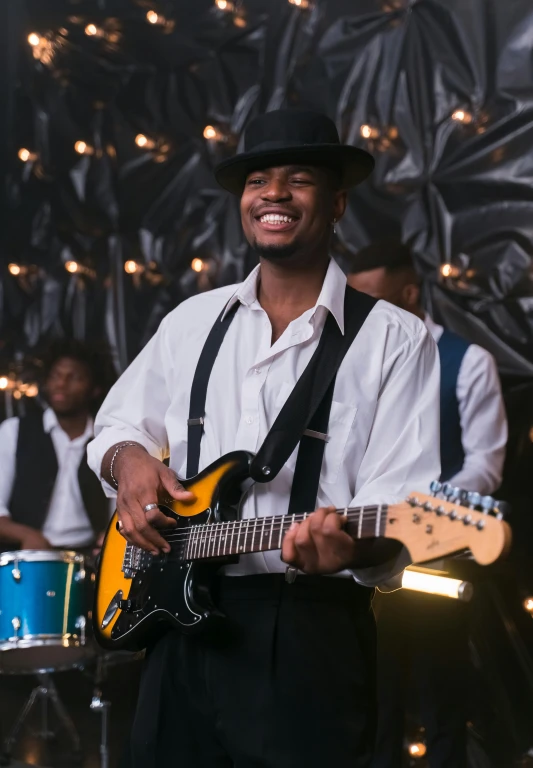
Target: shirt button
point(257, 370)
point(249, 419)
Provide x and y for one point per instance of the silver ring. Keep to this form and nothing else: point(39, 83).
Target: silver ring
point(120, 525)
point(148, 507)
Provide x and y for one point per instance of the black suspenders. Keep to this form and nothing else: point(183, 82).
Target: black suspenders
point(305, 416)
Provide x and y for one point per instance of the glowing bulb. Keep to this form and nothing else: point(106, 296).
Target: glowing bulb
point(152, 17)
point(367, 132)
point(449, 270)
point(197, 265)
point(34, 39)
point(144, 142)
point(300, 3)
point(80, 147)
point(32, 390)
point(210, 132)
point(528, 604)
point(3, 382)
point(417, 750)
point(131, 267)
point(239, 21)
point(91, 30)
point(17, 395)
point(72, 266)
point(24, 155)
point(461, 116)
point(224, 5)
point(14, 269)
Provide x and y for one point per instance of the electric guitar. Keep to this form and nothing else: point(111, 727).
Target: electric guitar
point(139, 594)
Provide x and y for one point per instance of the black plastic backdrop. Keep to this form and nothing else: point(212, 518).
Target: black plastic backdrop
point(460, 191)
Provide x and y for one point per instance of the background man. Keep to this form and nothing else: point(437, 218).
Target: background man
point(48, 495)
point(432, 632)
point(291, 681)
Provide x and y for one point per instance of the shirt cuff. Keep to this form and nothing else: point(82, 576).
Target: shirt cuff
point(383, 574)
point(106, 439)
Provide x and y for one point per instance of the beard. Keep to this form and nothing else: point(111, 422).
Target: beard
point(276, 252)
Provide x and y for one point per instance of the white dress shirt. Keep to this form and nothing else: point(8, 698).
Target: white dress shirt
point(483, 420)
point(384, 422)
point(67, 523)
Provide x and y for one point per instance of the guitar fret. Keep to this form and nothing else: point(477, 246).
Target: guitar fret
point(378, 521)
point(360, 527)
point(271, 532)
point(220, 539)
point(195, 543)
point(280, 537)
point(240, 547)
point(253, 534)
point(214, 539)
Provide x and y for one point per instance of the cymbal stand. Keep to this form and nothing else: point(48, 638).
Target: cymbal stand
point(99, 705)
point(45, 692)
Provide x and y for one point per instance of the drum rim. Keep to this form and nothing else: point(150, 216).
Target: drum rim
point(41, 556)
point(52, 641)
point(41, 640)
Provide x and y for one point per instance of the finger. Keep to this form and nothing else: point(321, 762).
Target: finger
point(289, 553)
point(332, 523)
point(316, 520)
point(306, 551)
point(137, 526)
point(128, 529)
point(172, 485)
point(159, 520)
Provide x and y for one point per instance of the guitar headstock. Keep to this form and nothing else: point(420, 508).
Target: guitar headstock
point(432, 527)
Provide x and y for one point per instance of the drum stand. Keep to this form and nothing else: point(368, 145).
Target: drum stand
point(46, 692)
point(99, 705)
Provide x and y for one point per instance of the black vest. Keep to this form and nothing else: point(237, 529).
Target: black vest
point(35, 475)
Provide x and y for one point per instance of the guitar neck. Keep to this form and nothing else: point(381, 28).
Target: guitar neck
point(262, 534)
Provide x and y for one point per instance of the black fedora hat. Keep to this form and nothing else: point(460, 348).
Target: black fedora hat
point(291, 136)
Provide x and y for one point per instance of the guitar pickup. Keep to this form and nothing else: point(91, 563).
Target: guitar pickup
point(128, 606)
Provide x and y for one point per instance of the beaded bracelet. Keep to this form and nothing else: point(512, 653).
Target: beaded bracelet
point(117, 451)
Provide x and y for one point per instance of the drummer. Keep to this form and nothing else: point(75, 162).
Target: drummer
point(49, 498)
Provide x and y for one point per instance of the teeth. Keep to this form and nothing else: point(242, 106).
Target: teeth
point(275, 218)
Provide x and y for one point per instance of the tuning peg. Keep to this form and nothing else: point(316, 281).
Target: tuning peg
point(502, 509)
point(455, 493)
point(435, 487)
point(487, 504)
point(463, 498)
point(447, 490)
point(474, 499)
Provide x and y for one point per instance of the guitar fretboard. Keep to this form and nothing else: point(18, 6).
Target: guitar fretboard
point(211, 540)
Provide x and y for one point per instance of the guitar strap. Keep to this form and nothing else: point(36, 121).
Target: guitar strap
point(304, 417)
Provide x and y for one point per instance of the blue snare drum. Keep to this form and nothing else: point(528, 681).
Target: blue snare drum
point(43, 611)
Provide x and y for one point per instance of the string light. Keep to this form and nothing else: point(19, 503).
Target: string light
point(462, 117)
point(528, 604)
point(239, 21)
point(420, 580)
point(14, 269)
point(300, 3)
point(17, 394)
point(368, 132)
point(24, 155)
point(224, 5)
point(4, 381)
point(213, 134)
point(32, 390)
point(34, 39)
point(450, 270)
point(72, 267)
point(197, 265)
point(131, 267)
point(144, 142)
point(152, 17)
point(82, 148)
point(93, 31)
point(417, 750)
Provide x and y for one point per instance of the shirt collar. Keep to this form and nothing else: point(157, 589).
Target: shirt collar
point(50, 422)
point(434, 328)
point(331, 295)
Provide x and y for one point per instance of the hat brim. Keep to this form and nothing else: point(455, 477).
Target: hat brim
point(353, 164)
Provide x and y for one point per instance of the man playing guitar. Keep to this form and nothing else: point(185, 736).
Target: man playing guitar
point(288, 680)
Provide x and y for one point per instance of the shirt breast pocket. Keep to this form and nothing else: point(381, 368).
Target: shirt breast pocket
point(341, 422)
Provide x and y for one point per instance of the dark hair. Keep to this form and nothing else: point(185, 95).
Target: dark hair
point(389, 253)
point(96, 358)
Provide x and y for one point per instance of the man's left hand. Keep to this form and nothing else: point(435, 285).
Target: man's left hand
point(318, 544)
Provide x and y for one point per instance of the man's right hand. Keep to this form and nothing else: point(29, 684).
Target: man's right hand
point(143, 480)
point(33, 539)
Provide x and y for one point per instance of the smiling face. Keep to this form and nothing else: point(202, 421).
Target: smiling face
point(287, 212)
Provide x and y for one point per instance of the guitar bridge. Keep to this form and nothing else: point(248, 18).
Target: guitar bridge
point(135, 559)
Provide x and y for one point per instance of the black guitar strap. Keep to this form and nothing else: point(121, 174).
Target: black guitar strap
point(304, 417)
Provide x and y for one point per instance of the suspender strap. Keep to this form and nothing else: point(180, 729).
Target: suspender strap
point(312, 386)
point(309, 460)
point(195, 423)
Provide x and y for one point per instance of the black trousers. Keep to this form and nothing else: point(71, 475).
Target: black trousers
point(287, 681)
point(423, 661)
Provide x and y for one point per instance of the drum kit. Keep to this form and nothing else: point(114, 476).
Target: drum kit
point(45, 627)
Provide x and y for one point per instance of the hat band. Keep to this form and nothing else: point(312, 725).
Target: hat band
point(266, 146)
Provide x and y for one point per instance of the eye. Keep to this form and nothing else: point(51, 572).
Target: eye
point(300, 180)
point(255, 182)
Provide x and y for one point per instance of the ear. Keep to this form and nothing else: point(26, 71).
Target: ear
point(411, 295)
point(339, 203)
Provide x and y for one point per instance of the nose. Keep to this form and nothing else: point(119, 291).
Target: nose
point(276, 191)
